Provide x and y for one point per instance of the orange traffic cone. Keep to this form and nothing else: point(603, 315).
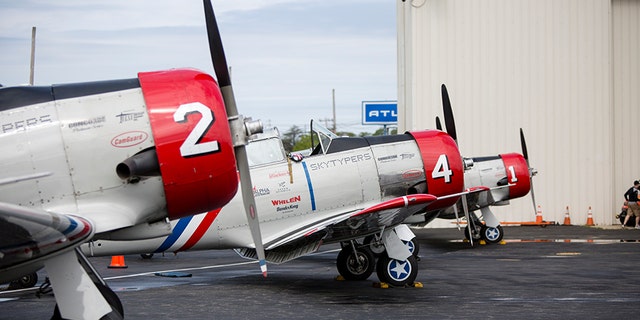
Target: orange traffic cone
point(117, 262)
point(590, 218)
point(539, 215)
point(567, 218)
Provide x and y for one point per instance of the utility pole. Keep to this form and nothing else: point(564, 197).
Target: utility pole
point(33, 54)
point(333, 96)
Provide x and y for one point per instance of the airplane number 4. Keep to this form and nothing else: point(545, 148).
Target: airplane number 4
point(442, 169)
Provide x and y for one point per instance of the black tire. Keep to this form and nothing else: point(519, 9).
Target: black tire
point(112, 299)
point(387, 270)
point(355, 267)
point(492, 235)
point(26, 281)
point(467, 234)
point(630, 223)
point(146, 256)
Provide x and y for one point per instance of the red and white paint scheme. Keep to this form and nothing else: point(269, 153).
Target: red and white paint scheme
point(120, 155)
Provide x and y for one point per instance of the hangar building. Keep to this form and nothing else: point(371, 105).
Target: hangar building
point(566, 71)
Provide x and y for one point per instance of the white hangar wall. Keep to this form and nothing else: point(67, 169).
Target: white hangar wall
point(566, 71)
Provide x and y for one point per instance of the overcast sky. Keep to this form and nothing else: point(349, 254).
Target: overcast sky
point(286, 56)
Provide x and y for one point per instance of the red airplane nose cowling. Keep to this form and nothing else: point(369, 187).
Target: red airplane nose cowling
point(443, 168)
point(192, 138)
point(517, 174)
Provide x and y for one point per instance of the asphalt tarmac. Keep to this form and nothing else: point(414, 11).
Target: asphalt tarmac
point(557, 272)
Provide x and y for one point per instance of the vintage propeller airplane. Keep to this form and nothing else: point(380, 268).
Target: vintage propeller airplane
point(118, 159)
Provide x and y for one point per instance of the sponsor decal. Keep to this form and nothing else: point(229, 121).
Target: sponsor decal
point(274, 175)
point(340, 161)
point(285, 201)
point(257, 192)
point(129, 115)
point(390, 158)
point(287, 208)
point(282, 187)
point(93, 123)
point(129, 139)
point(25, 123)
point(412, 174)
point(407, 156)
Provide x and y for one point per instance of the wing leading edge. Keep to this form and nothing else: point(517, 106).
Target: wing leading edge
point(29, 236)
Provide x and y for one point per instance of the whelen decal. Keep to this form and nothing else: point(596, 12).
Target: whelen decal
point(311, 195)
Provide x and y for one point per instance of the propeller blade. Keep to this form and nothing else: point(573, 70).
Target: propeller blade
point(448, 114)
point(525, 154)
point(533, 195)
point(523, 144)
point(438, 124)
point(470, 224)
point(224, 80)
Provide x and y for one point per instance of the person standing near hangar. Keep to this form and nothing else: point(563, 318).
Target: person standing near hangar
point(631, 200)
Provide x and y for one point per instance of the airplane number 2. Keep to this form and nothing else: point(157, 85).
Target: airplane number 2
point(442, 169)
point(190, 147)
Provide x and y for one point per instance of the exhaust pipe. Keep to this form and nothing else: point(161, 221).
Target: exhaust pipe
point(141, 165)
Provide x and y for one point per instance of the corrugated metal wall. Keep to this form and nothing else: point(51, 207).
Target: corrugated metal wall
point(626, 93)
point(552, 67)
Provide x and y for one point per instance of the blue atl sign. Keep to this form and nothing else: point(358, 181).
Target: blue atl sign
point(380, 112)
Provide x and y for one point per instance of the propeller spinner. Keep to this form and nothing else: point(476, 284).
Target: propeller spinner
point(240, 130)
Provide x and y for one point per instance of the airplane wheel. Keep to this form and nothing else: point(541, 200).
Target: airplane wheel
point(467, 234)
point(395, 272)
point(355, 267)
point(146, 256)
point(26, 281)
point(492, 235)
point(377, 248)
point(112, 299)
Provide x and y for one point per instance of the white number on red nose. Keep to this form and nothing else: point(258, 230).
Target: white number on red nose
point(190, 147)
point(442, 169)
point(512, 170)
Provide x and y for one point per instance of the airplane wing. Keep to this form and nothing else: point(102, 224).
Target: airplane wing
point(475, 197)
point(344, 226)
point(31, 239)
point(29, 236)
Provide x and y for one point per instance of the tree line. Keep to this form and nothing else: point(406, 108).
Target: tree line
point(296, 139)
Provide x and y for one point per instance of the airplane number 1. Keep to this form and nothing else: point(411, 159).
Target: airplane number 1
point(190, 147)
point(442, 169)
point(514, 178)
